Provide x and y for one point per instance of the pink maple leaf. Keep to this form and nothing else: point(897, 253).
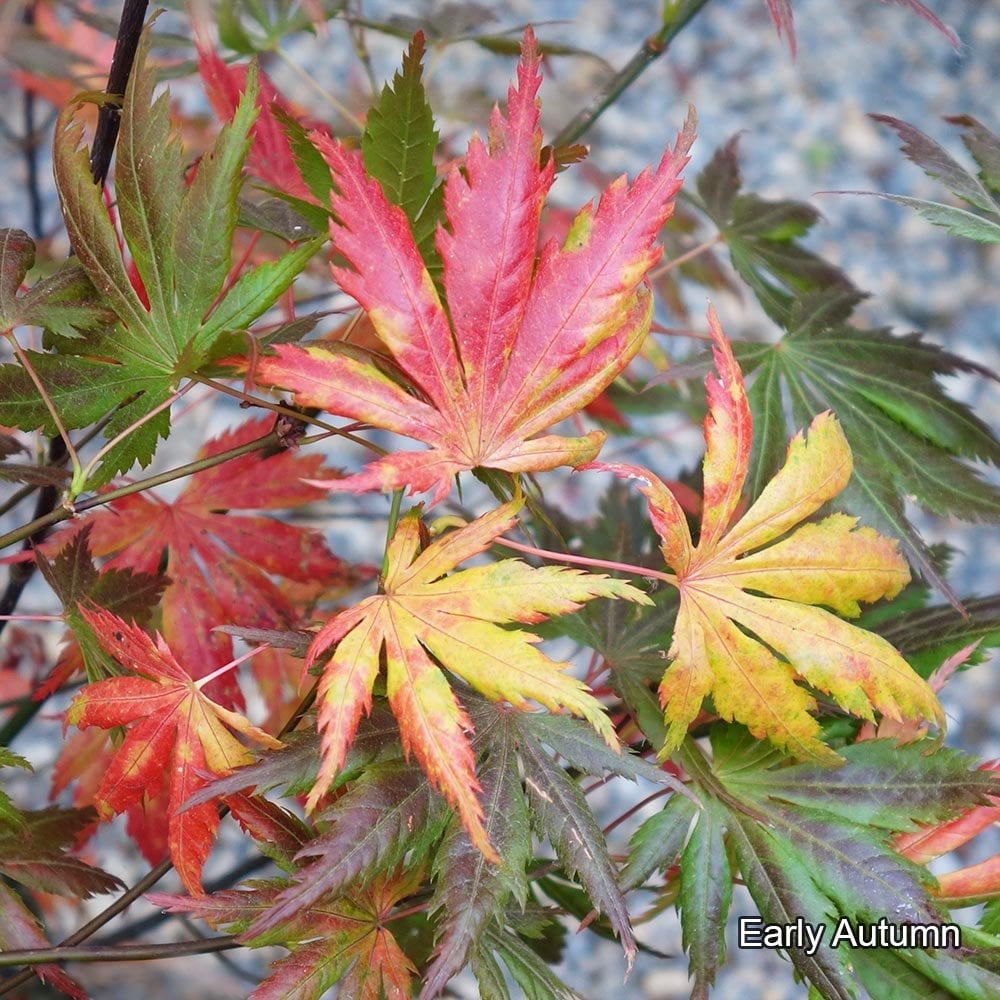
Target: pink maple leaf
point(521, 341)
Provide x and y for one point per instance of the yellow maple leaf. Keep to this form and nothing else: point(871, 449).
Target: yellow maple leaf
point(749, 652)
point(423, 617)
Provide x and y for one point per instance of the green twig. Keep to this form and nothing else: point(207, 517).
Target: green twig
point(676, 15)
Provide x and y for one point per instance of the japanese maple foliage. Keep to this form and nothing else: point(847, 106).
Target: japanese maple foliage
point(456, 619)
point(410, 752)
point(176, 736)
point(222, 565)
point(519, 343)
point(270, 155)
point(726, 637)
point(339, 940)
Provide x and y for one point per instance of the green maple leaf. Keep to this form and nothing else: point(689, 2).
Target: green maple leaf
point(762, 236)
point(981, 220)
point(338, 939)
point(471, 892)
point(908, 438)
point(809, 842)
point(174, 319)
point(398, 146)
point(389, 813)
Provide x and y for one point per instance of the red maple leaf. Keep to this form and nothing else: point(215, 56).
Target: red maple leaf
point(176, 735)
point(270, 157)
point(220, 563)
point(521, 342)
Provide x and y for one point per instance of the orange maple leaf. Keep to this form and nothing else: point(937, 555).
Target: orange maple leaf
point(175, 736)
point(748, 652)
point(422, 613)
point(521, 342)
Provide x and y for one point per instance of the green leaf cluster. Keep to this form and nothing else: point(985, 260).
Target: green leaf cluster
point(176, 309)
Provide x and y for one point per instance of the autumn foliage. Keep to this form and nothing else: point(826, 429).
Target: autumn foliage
point(406, 748)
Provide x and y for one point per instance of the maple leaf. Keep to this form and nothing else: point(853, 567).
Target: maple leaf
point(748, 651)
point(178, 308)
point(471, 892)
point(176, 734)
point(271, 156)
point(810, 843)
point(908, 438)
point(520, 343)
point(422, 613)
point(341, 939)
point(64, 302)
point(19, 929)
point(981, 220)
point(220, 563)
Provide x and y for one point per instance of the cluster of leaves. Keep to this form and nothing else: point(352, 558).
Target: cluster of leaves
point(414, 780)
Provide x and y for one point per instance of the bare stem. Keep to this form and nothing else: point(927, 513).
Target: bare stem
point(306, 418)
point(92, 926)
point(620, 567)
point(116, 952)
point(677, 14)
point(697, 251)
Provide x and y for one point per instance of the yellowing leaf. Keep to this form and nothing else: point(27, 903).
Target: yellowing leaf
point(423, 618)
point(748, 651)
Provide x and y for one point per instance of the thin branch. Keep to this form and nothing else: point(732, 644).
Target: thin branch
point(109, 115)
point(677, 14)
point(29, 145)
point(91, 927)
point(84, 439)
point(307, 417)
point(697, 251)
point(126, 45)
point(116, 953)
